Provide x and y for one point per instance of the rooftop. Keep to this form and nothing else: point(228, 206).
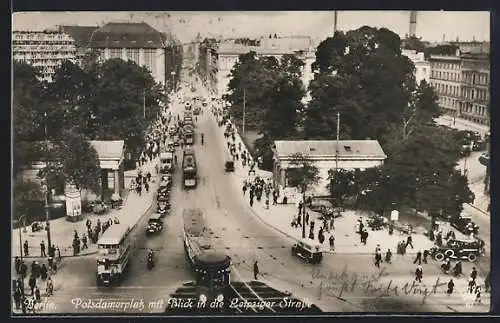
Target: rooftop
point(108, 149)
point(327, 148)
point(126, 35)
point(80, 34)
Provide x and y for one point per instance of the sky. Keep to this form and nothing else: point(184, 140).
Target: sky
point(431, 25)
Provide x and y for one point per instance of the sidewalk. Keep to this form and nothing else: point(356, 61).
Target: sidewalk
point(462, 124)
point(62, 231)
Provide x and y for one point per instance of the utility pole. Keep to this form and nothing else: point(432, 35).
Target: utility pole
point(144, 103)
point(334, 22)
point(337, 146)
point(244, 109)
point(47, 216)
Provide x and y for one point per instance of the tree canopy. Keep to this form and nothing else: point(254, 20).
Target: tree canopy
point(363, 75)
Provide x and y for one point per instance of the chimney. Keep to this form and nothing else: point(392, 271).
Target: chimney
point(413, 23)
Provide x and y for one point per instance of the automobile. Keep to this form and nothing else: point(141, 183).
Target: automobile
point(462, 224)
point(172, 130)
point(176, 141)
point(196, 111)
point(229, 166)
point(479, 145)
point(154, 225)
point(163, 207)
point(171, 146)
point(459, 249)
point(326, 211)
point(308, 251)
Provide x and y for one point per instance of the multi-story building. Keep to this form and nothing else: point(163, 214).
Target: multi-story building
point(229, 52)
point(137, 42)
point(446, 81)
point(422, 66)
point(45, 50)
point(81, 36)
point(475, 94)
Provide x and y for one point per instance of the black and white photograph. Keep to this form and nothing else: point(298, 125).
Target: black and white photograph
point(193, 163)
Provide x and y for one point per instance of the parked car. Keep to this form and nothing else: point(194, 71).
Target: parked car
point(307, 250)
point(459, 249)
point(155, 224)
point(463, 223)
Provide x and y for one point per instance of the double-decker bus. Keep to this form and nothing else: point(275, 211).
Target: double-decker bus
point(189, 170)
point(114, 249)
point(212, 268)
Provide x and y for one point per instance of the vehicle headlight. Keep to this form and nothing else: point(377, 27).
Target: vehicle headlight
point(203, 298)
point(220, 298)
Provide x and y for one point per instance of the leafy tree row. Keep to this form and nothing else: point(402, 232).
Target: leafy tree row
point(271, 91)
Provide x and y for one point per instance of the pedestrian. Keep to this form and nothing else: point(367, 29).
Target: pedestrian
point(332, 243)
point(388, 256)
point(419, 274)
point(23, 270)
point(378, 259)
point(26, 248)
point(426, 254)
point(58, 253)
point(84, 242)
point(251, 201)
point(37, 294)
point(473, 273)
point(378, 249)
point(332, 226)
point(32, 283)
point(146, 187)
point(311, 234)
point(409, 241)
point(321, 236)
point(17, 265)
point(451, 285)
point(307, 217)
point(471, 284)
point(300, 207)
point(275, 198)
point(267, 202)
point(364, 236)
point(477, 291)
point(255, 270)
point(299, 220)
point(487, 283)
point(244, 189)
point(43, 272)
point(418, 258)
point(17, 298)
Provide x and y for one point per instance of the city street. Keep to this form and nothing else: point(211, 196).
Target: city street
point(342, 282)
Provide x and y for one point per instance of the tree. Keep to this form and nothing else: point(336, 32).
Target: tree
point(303, 174)
point(363, 75)
point(124, 102)
point(72, 160)
point(342, 184)
point(414, 43)
point(24, 193)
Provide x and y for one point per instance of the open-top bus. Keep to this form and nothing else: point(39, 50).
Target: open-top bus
point(212, 268)
point(114, 248)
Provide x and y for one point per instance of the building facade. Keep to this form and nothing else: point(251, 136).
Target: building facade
point(422, 66)
point(137, 42)
point(351, 154)
point(475, 87)
point(229, 51)
point(45, 50)
point(446, 79)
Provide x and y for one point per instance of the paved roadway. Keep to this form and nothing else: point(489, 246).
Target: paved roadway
point(237, 231)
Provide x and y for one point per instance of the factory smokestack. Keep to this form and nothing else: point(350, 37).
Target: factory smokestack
point(413, 23)
point(334, 22)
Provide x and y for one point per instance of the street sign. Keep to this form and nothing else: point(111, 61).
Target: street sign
point(394, 215)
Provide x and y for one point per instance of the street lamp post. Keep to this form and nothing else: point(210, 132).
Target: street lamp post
point(45, 187)
point(173, 80)
point(23, 305)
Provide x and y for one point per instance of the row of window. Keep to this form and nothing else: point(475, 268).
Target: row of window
point(36, 57)
point(475, 94)
point(446, 66)
point(448, 76)
point(44, 48)
point(22, 36)
point(476, 78)
point(475, 109)
point(446, 89)
point(149, 56)
point(449, 102)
